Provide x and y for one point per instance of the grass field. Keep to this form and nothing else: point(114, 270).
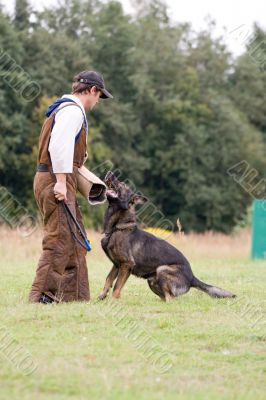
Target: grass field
point(137, 347)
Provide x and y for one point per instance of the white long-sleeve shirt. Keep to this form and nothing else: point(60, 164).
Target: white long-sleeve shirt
point(68, 123)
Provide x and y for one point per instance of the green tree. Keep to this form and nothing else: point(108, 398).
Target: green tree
point(22, 15)
point(248, 82)
point(184, 110)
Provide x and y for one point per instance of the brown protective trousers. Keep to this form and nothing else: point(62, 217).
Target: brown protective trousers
point(62, 270)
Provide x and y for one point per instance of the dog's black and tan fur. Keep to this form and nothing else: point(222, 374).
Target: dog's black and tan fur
point(136, 252)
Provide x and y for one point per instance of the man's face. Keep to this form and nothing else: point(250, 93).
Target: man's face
point(93, 98)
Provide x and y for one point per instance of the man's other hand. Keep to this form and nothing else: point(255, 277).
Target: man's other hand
point(60, 188)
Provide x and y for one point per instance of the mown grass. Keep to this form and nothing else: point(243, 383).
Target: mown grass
point(215, 349)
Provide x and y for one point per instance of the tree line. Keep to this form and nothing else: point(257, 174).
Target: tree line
point(186, 111)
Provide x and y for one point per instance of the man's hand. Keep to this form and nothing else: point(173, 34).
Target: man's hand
point(60, 188)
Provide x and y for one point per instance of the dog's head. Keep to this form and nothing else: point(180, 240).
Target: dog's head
point(120, 195)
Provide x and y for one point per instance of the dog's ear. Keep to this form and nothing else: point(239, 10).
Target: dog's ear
point(139, 199)
point(109, 177)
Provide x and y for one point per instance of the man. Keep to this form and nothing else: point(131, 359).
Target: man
point(62, 271)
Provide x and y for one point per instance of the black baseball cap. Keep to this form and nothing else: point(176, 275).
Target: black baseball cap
point(95, 79)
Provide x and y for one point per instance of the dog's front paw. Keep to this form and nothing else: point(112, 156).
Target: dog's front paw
point(115, 296)
point(102, 296)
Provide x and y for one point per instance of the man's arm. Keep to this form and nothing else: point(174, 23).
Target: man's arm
point(68, 123)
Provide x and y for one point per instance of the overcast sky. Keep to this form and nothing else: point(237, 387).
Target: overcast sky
point(231, 14)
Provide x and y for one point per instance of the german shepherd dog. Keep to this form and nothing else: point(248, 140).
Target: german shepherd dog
point(133, 251)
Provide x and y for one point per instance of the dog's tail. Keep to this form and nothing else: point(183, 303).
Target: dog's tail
point(212, 291)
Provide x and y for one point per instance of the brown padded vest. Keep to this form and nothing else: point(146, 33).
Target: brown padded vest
point(44, 139)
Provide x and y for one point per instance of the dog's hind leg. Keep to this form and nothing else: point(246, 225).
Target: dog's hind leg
point(155, 287)
point(169, 282)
